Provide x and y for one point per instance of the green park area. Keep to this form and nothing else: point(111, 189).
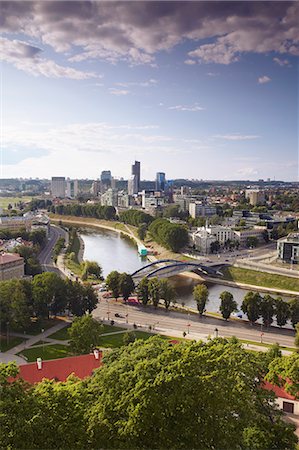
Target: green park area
point(46, 352)
point(5, 201)
point(262, 279)
point(7, 344)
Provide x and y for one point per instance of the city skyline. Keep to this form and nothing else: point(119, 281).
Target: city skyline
point(204, 90)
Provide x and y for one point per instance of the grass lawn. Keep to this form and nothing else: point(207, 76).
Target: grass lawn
point(47, 352)
point(260, 278)
point(12, 342)
point(264, 344)
point(61, 335)
point(112, 328)
point(37, 325)
point(5, 201)
point(116, 340)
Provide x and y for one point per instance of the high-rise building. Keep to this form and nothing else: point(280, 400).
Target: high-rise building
point(136, 177)
point(105, 180)
point(72, 188)
point(58, 187)
point(255, 196)
point(160, 181)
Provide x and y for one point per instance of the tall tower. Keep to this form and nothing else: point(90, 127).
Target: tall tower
point(136, 177)
point(160, 181)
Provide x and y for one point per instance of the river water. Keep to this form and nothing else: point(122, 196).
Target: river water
point(115, 252)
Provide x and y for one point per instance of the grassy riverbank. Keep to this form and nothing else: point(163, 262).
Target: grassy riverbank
point(261, 279)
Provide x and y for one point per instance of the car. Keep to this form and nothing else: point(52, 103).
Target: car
point(119, 315)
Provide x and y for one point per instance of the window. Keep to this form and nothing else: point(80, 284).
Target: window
point(288, 407)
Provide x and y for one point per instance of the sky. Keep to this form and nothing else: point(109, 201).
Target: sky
point(199, 90)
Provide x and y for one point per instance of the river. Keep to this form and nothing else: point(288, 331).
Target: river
point(116, 252)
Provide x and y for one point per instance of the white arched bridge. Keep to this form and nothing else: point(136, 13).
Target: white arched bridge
point(165, 268)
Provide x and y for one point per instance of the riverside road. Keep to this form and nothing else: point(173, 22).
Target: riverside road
point(174, 323)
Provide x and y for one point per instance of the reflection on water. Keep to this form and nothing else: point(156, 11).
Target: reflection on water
point(111, 250)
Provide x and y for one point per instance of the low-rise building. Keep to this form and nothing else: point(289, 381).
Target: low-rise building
point(288, 248)
point(151, 199)
point(255, 196)
point(14, 223)
point(243, 235)
point(109, 198)
point(202, 239)
point(222, 234)
point(11, 266)
point(197, 209)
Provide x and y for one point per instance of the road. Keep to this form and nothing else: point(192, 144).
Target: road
point(45, 256)
point(175, 323)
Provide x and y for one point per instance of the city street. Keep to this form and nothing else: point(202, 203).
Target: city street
point(175, 323)
point(45, 256)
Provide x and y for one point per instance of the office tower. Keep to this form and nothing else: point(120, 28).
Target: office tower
point(160, 181)
point(105, 180)
point(95, 188)
point(58, 187)
point(71, 188)
point(136, 177)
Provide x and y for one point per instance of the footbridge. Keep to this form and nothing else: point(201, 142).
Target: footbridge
point(165, 268)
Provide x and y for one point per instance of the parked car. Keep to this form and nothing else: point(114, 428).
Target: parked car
point(119, 315)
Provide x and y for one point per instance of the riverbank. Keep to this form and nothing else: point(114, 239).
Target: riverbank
point(161, 253)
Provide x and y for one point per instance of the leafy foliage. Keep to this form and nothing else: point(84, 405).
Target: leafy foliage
point(84, 334)
point(228, 304)
point(170, 235)
point(251, 306)
point(201, 296)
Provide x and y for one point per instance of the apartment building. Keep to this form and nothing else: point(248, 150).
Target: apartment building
point(11, 266)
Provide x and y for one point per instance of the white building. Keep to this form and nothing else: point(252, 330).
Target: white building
point(58, 187)
point(288, 248)
point(72, 188)
point(150, 200)
point(243, 235)
point(255, 196)
point(109, 198)
point(221, 233)
point(202, 240)
point(197, 209)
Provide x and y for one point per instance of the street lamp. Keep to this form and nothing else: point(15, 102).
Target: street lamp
point(43, 340)
point(216, 333)
point(188, 325)
point(108, 312)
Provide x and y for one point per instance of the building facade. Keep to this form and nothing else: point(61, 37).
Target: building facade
point(15, 223)
point(255, 196)
point(160, 181)
point(58, 187)
point(288, 248)
point(11, 266)
point(72, 188)
point(197, 209)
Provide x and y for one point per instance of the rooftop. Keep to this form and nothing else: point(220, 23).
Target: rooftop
point(6, 258)
point(59, 369)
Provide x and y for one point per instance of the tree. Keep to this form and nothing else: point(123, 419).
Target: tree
point(91, 268)
point(112, 281)
point(251, 242)
point(49, 294)
point(201, 295)
point(251, 306)
point(282, 311)
point(143, 291)
point(294, 311)
point(84, 334)
point(129, 337)
point(228, 304)
point(126, 285)
point(80, 298)
point(297, 337)
point(267, 309)
point(152, 377)
point(154, 291)
point(284, 372)
point(167, 292)
point(142, 229)
point(215, 247)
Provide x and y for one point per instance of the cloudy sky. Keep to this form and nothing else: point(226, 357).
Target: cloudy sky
point(205, 90)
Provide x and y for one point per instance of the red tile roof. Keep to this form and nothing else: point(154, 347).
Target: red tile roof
point(278, 391)
point(59, 369)
point(9, 257)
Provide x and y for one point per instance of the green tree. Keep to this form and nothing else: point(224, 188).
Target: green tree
point(167, 292)
point(80, 298)
point(294, 311)
point(91, 268)
point(227, 305)
point(152, 377)
point(49, 294)
point(215, 247)
point(84, 334)
point(282, 311)
point(251, 306)
point(284, 372)
point(267, 309)
point(251, 242)
point(154, 291)
point(142, 229)
point(297, 337)
point(112, 282)
point(201, 296)
point(126, 285)
point(129, 337)
point(143, 291)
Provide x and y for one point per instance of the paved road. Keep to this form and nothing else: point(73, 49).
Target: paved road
point(45, 256)
point(174, 323)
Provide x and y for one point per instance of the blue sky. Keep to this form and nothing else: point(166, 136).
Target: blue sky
point(204, 90)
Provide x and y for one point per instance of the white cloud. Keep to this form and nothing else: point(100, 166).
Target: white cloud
point(264, 79)
point(119, 92)
point(27, 58)
point(191, 108)
point(282, 62)
point(190, 62)
point(148, 83)
point(237, 137)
